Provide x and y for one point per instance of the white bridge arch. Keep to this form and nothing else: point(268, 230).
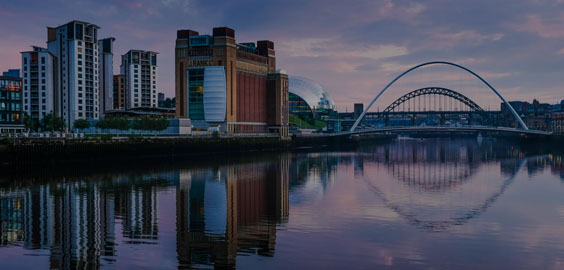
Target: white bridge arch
point(521, 123)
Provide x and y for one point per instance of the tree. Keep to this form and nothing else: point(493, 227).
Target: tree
point(29, 123)
point(153, 124)
point(120, 123)
point(50, 122)
point(81, 124)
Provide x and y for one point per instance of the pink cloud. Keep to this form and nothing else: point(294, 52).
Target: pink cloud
point(543, 28)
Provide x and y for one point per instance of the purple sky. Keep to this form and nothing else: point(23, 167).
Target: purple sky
point(353, 48)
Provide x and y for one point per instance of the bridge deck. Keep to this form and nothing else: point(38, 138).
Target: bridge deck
point(449, 129)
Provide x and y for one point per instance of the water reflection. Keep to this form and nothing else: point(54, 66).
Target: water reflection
point(219, 212)
point(208, 214)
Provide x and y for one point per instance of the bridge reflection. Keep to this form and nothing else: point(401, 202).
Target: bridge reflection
point(438, 184)
point(218, 212)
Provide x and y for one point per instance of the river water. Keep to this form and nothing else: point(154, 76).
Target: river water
point(407, 204)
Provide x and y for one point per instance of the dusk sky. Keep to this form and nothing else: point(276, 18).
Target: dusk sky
point(352, 48)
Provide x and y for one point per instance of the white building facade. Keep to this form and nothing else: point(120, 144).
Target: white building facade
point(140, 71)
point(39, 78)
point(75, 45)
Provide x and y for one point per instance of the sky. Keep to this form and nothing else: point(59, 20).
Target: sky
point(352, 48)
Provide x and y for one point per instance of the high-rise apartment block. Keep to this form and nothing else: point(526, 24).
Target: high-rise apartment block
point(40, 83)
point(71, 65)
point(234, 86)
point(75, 45)
point(140, 72)
point(106, 66)
point(119, 92)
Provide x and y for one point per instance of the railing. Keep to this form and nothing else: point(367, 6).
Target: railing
point(194, 134)
point(447, 127)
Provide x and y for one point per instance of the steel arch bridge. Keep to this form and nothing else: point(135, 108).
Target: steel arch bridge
point(511, 109)
point(434, 91)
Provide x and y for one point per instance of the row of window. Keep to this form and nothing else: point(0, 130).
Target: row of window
point(9, 117)
point(10, 84)
point(4, 106)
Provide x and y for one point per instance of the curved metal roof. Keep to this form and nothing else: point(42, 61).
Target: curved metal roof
point(311, 92)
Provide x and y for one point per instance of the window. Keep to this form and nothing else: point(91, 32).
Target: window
point(43, 60)
point(79, 55)
point(25, 61)
point(80, 69)
point(80, 75)
point(42, 74)
point(79, 81)
point(80, 108)
point(80, 62)
point(42, 67)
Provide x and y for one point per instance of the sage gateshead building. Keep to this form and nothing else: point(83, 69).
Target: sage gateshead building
point(227, 85)
point(309, 99)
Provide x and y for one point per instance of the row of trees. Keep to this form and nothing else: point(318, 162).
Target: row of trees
point(52, 123)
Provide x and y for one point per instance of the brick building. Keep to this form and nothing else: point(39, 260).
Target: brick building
point(233, 86)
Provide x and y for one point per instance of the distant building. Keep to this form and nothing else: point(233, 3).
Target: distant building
point(14, 73)
point(40, 91)
point(358, 109)
point(119, 92)
point(222, 83)
point(140, 70)
point(558, 122)
point(11, 105)
point(160, 99)
point(106, 66)
point(536, 115)
point(152, 112)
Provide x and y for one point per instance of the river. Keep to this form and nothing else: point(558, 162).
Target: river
point(406, 204)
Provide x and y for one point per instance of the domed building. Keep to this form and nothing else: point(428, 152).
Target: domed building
point(308, 98)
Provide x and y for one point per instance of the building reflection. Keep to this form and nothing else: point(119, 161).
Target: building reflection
point(232, 209)
point(220, 211)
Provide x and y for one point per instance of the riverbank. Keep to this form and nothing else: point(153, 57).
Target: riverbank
point(23, 150)
point(104, 149)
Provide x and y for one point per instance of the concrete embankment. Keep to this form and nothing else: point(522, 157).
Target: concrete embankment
point(53, 149)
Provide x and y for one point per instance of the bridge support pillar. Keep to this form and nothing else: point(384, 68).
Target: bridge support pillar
point(414, 120)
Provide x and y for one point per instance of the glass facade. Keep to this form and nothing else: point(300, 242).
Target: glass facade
point(10, 100)
point(196, 94)
point(308, 97)
point(297, 105)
